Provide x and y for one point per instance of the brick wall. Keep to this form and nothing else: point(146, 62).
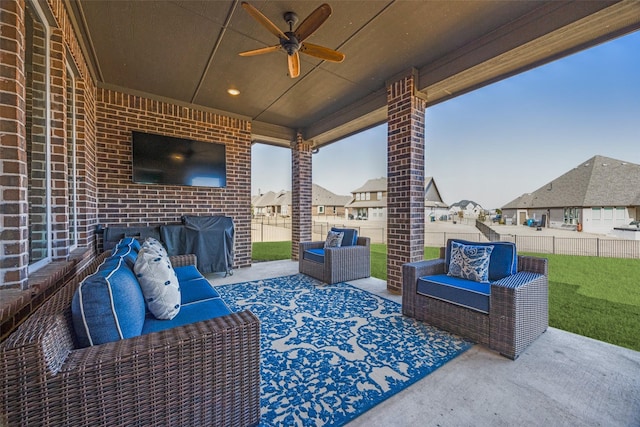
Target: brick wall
point(120, 201)
point(405, 182)
point(13, 161)
point(301, 194)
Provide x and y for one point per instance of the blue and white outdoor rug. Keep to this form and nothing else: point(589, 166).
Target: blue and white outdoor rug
point(331, 352)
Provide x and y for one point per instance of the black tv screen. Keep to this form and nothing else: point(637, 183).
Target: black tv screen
point(159, 159)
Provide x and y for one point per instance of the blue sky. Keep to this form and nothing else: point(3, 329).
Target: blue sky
point(501, 141)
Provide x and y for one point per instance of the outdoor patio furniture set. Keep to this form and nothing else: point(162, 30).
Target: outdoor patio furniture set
point(115, 347)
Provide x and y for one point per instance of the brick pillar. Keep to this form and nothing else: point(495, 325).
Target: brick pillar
point(14, 251)
point(405, 179)
point(301, 199)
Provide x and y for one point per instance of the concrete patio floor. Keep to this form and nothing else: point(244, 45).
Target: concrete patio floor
point(562, 379)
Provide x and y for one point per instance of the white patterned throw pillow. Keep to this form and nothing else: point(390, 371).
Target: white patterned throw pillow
point(153, 243)
point(470, 262)
point(159, 283)
point(334, 239)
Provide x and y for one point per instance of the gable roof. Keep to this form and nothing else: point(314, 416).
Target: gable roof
point(372, 185)
point(464, 203)
point(599, 181)
point(323, 197)
point(432, 196)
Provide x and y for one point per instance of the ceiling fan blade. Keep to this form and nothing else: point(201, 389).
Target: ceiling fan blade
point(260, 51)
point(313, 22)
point(294, 65)
point(258, 16)
point(322, 52)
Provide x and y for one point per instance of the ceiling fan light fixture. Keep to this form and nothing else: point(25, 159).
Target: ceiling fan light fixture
point(233, 92)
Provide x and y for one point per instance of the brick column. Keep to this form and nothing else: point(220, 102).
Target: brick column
point(301, 199)
point(405, 179)
point(14, 251)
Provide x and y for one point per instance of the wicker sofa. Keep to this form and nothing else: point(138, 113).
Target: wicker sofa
point(350, 261)
point(193, 374)
point(508, 315)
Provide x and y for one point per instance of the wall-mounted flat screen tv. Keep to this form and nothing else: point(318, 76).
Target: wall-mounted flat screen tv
point(159, 159)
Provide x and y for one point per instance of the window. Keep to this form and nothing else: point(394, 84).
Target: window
point(72, 172)
point(320, 209)
point(335, 210)
point(379, 195)
point(368, 196)
point(38, 140)
point(596, 214)
point(357, 196)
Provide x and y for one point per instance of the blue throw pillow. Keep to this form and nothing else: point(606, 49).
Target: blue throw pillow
point(130, 242)
point(108, 305)
point(504, 258)
point(470, 262)
point(350, 237)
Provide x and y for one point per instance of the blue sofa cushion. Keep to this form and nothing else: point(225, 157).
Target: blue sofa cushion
point(197, 289)
point(466, 293)
point(129, 241)
point(316, 255)
point(108, 305)
point(470, 262)
point(187, 272)
point(126, 251)
point(189, 313)
point(504, 258)
point(350, 237)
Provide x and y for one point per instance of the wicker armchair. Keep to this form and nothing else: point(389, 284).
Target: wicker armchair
point(205, 373)
point(518, 311)
point(339, 264)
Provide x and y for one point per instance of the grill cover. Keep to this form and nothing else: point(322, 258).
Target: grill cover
point(210, 238)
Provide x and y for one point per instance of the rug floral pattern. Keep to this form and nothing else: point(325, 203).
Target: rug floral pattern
point(331, 352)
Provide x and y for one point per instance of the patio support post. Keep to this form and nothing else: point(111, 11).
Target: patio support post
point(301, 186)
point(405, 178)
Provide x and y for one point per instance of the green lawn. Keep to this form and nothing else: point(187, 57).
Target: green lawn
point(589, 296)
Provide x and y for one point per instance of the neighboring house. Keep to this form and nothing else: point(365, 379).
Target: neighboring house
point(599, 194)
point(324, 203)
point(469, 209)
point(271, 204)
point(369, 201)
point(434, 207)
point(327, 204)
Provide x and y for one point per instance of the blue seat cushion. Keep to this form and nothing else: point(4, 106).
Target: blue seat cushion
point(108, 305)
point(187, 272)
point(350, 237)
point(316, 255)
point(196, 290)
point(189, 313)
point(466, 293)
point(504, 258)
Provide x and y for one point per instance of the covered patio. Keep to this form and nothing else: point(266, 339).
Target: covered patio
point(78, 77)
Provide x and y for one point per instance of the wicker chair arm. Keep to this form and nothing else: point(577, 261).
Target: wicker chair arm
point(533, 264)
point(183, 260)
point(310, 245)
point(410, 274)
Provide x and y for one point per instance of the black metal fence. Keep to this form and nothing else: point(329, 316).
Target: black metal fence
point(273, 229)
point(581, 246)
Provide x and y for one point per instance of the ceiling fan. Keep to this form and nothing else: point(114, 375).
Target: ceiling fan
point(293, 41)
